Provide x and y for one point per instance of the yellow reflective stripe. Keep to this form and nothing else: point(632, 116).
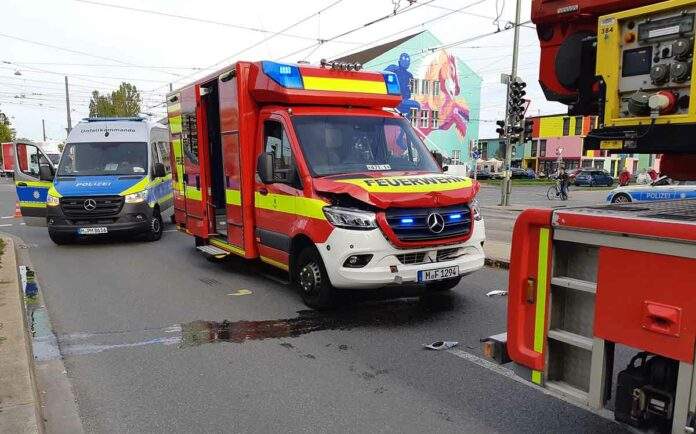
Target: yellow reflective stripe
point(175, 124)
point(53, 192)
point(411, 184)
point(542, 270)
point(227, 246)
point(275, 263)
point(46, 184)
point(138, 186)
point(344, 85)
point(193, 193)
point(32, 204)
point(162, 199)
point(233, 197)
point(536, 377)
point(178, 161)
point(296, 205)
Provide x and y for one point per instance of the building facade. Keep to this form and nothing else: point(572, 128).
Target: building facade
point(440, 93)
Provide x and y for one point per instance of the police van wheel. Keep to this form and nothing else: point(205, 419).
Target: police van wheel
point(155, 231)
point(621, 198)
point(444, 285)
point(60, 239)
point(312, 281)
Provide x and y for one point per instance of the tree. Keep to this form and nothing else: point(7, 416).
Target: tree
point(125, 101)
point(7, 134)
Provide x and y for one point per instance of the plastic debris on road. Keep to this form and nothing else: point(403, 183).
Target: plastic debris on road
point(498, 292)
point(441, 345)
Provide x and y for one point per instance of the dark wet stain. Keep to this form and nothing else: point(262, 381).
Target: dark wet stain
point(209, 281)
point(380, 390)
point(384, 314)
point(310, 356)
point(287, 345)
point(367, 375)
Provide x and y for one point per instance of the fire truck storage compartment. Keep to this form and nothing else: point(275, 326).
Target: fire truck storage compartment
point(211, 104)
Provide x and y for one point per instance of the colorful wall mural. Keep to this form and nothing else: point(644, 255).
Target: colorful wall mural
point(440, 93)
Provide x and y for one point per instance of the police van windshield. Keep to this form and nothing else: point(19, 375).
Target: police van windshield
point(104, 159)
point(352, 144)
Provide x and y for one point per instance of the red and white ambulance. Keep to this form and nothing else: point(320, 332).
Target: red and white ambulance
point(310, 169)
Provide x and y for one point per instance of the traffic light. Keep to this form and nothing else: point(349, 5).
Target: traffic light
point(516, 99)
point(528, 130)
point(501, 128)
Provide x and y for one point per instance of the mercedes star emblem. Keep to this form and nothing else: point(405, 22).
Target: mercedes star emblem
point(435, 222)
point(91, 205)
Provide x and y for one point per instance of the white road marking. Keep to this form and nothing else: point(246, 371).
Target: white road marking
point(171, 230)
point(6, 225)
point(7, 217)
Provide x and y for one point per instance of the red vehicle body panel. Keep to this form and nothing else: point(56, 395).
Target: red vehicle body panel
point(8, 157)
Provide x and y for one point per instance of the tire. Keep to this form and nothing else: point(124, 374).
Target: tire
point(552, 193)
point(444, 285)
point(154, 233)
point(60, 239)
point(311, 279)
point(621, 198)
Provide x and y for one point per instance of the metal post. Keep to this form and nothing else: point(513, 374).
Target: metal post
point(67, 104)
point(43, 127)
point(506, 185)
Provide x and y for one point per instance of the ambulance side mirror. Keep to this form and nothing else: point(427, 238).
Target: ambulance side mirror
point(264, 167)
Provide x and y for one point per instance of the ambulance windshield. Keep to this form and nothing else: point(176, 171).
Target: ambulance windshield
point(335, 145)
point(104, 158)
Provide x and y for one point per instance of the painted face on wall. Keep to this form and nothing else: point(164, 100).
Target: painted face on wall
point(404, 60)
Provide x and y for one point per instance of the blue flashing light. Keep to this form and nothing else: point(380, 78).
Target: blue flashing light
point(285, 75)
point(406, 221)
point(392, 83)
point(455, 217)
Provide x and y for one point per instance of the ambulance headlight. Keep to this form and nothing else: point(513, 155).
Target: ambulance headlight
point(52, 200)
point(350, 218)
point(138, 197)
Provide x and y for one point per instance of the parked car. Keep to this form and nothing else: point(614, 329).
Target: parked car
point(662, 189)
point(593, 178)
point(482, 174)
point(519, 173)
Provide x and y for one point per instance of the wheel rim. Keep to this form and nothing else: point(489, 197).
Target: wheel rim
point(156, 225)
point(310, 277)
point(620, 199)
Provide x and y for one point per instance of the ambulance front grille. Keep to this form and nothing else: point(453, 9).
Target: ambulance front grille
point(411, 224)
point(83, 208)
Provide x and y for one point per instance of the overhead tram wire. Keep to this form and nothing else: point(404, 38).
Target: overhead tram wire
point(202, 20)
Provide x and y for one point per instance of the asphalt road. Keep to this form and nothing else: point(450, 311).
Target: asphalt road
point(154, 340)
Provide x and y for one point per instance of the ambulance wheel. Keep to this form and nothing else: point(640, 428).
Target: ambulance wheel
point(154, 233)
point(312, 281)
point(444, 285)
point(60, 239)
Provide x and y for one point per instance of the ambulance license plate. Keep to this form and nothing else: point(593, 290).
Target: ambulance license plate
point(438, 274)
point(92, 231)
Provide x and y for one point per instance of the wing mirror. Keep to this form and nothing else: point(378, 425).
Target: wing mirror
point(45, 173)
point(159, 171)
point(264, 167)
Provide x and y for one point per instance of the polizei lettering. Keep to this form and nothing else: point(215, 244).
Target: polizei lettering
point(398, 182)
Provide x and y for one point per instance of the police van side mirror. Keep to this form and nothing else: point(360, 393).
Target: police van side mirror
point(264, 167)
point(159, 171)
point(45, 173)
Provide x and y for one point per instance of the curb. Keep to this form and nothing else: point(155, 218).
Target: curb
point(20, 409)
point(503, 264)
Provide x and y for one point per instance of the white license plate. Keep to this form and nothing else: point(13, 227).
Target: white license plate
point(438, 274)
point(92, 231)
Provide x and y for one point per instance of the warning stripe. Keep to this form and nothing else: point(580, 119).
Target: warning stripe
point(540, 313)
point(296, 205)
point(344, 85)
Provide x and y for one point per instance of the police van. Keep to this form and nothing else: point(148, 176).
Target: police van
point(114, 177)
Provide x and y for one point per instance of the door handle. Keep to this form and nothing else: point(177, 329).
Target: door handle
point(198, 182)
point(263, 191)
point(21, 184)
point(185, 178)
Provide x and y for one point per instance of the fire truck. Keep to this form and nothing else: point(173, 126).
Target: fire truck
point(602, 299)
point(311, 170)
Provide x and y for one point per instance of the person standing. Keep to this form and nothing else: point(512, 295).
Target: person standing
point(624, 177)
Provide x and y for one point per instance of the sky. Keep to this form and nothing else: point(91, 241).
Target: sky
point(98, 47)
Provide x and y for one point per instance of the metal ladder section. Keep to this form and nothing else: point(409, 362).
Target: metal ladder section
point(578, 364)
point(213, 252)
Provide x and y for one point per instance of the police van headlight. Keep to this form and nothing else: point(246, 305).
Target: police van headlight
point(138, 197)
point(476, 210)
point(52, 200)
point(350, 218)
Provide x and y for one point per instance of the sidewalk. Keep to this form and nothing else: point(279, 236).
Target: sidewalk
point(497, 254)
point(19, 405)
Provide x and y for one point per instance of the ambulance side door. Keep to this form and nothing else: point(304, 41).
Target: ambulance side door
point(275, 202)
point(33, 172)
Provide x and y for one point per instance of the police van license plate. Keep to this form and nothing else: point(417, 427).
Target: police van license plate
point(92, 231)
point(438, 274)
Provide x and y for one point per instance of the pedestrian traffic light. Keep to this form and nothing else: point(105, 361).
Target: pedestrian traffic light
point(528, 130)
point(501, 128)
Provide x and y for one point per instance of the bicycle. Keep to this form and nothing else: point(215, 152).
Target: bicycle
point(554, 192)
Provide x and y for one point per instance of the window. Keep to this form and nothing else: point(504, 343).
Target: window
point(566, 126)
point(189, 136)
point(424, 118)
point(277, 143)
point(578, 125)
point(164, 156)
point(456, 156)
point(436, 118)
point(104, 158)
point(414, 117)
point(30, 159)
point(154, 157)
point(410, 85)
point(535, 145)
point(436, 88)
point(425, 87)
point(542, 148)
point(415, 86)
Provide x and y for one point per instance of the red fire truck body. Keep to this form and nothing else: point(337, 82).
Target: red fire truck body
point(303, 168)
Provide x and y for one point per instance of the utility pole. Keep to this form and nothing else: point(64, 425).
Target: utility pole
point(506, 185)
point(43, 127)
point(67, 104)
